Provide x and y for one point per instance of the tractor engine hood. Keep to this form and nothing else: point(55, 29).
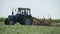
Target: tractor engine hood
point(11, 17)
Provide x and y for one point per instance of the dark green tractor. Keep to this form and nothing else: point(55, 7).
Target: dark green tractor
point(23, 17)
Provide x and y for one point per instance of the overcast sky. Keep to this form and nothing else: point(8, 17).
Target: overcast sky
point(38, 7)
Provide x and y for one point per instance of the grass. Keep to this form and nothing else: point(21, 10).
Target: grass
point(56, 20)
point(28, 29)
point(2, 19)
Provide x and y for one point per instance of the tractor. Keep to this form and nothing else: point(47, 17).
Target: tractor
point(23, 17)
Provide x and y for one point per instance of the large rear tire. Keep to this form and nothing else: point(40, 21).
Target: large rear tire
point(27, 21)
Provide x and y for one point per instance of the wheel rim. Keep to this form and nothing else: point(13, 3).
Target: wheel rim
point(10, 22)
point(27, 22)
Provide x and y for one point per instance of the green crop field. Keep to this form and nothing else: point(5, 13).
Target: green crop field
point(27, 29)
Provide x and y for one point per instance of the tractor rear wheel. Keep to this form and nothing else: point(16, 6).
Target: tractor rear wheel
point(27, 21)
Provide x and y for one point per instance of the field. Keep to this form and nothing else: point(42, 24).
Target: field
point(28, 29)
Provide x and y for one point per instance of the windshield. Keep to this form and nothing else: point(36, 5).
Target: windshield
point(24, 12)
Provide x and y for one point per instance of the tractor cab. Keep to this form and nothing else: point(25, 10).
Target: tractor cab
point(24, 11)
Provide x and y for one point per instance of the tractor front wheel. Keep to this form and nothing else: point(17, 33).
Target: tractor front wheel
point(9, 22)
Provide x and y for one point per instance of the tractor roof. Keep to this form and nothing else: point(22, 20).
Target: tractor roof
point(24, 9)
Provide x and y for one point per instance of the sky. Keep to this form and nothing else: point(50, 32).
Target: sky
point(39, 8)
